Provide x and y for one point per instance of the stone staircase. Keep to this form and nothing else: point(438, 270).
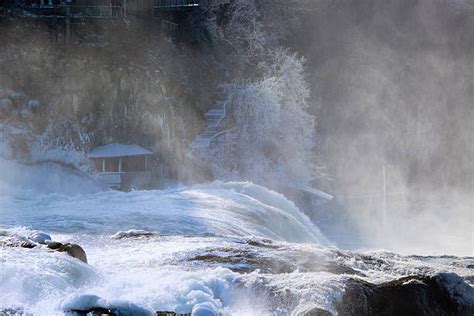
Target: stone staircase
point(213, 119)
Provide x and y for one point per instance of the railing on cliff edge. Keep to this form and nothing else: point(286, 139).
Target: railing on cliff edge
point(175, 4)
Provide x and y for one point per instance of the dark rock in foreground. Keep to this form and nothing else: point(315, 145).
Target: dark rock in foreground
point(74, 250)
point(13, 241)
point(99, 311)
point(39, 239)
point(318, 312)
point(442, 294)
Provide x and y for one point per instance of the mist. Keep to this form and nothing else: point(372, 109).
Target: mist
point(377, 87)
point(392, 87)
point(237, 157)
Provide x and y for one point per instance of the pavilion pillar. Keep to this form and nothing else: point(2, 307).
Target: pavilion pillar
point(103, 164)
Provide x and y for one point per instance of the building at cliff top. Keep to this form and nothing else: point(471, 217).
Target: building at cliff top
point(122, 166)
point(92, 8)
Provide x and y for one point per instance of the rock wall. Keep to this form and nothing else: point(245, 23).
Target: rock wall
point(114, 82)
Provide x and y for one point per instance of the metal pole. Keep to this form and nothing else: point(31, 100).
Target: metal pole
point(384, 201)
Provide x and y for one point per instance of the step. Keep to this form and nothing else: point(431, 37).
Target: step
point(215, 111)
point(204, 138)
point(200, 144)
point(213, 117)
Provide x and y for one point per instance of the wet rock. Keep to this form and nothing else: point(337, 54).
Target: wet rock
point(133, 233)
point(96, 311)
point(89, 304)
point(280, 261)
point(442, 294)
point(317, 312)
point(265, 243)
point(241, 261)
point(15, 241)
point(74, 250)
point(54, 245)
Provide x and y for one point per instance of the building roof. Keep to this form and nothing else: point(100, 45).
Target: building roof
point(118, 150)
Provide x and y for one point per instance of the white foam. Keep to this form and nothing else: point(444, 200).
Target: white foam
point(155, 273)
point(240, 209)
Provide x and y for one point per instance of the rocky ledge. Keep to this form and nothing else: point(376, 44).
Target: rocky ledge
point(441, 294)
point(39, 239)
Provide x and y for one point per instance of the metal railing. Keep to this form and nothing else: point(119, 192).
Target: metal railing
point(226, 140)
point(168, 26)
point(175, 4)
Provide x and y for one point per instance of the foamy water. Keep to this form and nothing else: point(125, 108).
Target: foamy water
point(165, 256)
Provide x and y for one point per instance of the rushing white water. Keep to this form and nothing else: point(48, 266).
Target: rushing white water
point(229, 248)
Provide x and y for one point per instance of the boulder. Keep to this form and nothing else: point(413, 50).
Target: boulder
point(16, 241)
point(54, 245)
point(133, 233)
point(40, 238)
point(317, 312)
point(74, 250)
point(441, 294)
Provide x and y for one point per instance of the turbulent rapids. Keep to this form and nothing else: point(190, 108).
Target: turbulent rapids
point(219, 248)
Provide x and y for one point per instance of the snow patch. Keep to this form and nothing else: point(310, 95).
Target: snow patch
point(87, 301)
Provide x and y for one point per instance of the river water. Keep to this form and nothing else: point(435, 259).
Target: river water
point(218, 248)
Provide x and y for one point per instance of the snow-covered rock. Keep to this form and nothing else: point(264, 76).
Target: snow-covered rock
point(86, 303)
point(40, 237)
point(204, 309)
point(74, 250)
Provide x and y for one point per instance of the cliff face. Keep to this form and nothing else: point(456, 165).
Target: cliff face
point(111, 83)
